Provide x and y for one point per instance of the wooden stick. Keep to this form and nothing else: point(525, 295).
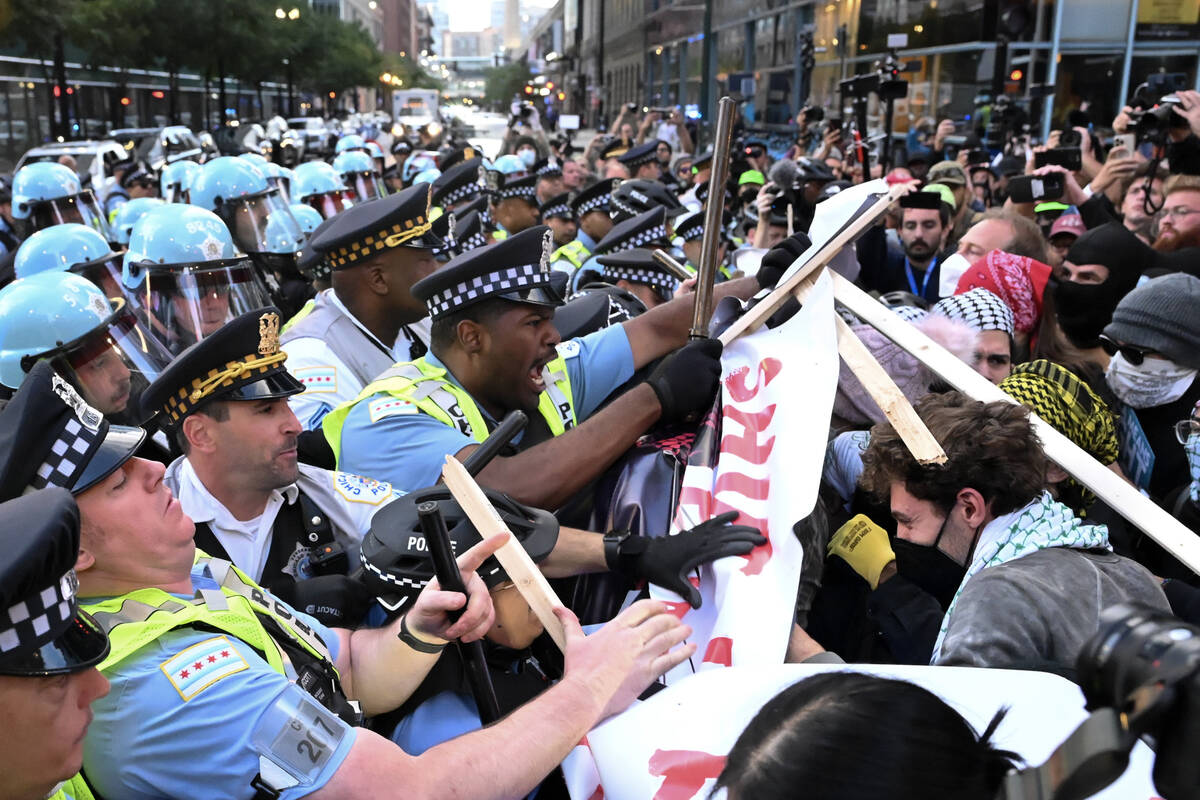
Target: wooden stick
point(530, 581)
point(1160, 526)
point(883, 390)
point(791, 220)
point(753, 319)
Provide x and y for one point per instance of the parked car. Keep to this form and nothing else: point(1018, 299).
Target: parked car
point(319, 136)
point(94, 159)
point(157, 147)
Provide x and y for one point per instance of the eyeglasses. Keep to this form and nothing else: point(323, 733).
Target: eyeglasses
point(1134, 355)
point(1185, 428)
point(1180, 211)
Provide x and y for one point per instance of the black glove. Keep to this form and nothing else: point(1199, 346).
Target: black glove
point(780, 257)
point(687, 380)
point(338, 601)
point(666, 561)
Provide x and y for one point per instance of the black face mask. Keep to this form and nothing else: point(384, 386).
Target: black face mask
point(930, 568)
point(1083, 309)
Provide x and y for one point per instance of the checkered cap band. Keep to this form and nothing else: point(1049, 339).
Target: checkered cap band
point(549, 169)
point(389, 237)
point(979, 309)
point(594, 204)
point(529, 192)
point(247, 370)
point(559, 210)
point(477, 239)
point(481, 286)
point(650, 277)
point(468, 191)
point(66, 457)
point(642, 238)
point(624, 208)
point(36, 615)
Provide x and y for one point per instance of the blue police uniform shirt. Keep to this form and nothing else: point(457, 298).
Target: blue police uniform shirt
point(409, 450)
point(157, 734)
point(590, 266)
point(586, 240)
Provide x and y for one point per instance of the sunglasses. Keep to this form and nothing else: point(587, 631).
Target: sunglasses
point(1185, 428)
point(1134, 355)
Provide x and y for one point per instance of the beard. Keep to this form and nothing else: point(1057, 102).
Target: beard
point(919, 250)
point(1169, 241)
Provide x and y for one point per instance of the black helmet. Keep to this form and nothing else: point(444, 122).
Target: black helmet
point(594, 307)
point(638, 196)
point(396, 559)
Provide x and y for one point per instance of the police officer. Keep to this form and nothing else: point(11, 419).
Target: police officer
point(45, 194)
point(358, 171)
point(514, 203)
point(240, 480)
point(369, 320)
point(690, 231)
point(591, 210)
point(637, 272)
point(8, 234)
point(175, 180)
point(48, 650)
point(189, 276)
point(318, 184)
point(642, 161)
point(646, 230)
point(77, 248)
point(495, 349)
point(457, 185)
point(560, 218)
point(549, 179)
point(217, 684)
point(94, 343)
point(459, 233)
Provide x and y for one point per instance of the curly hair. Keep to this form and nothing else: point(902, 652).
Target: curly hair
point(990, 447)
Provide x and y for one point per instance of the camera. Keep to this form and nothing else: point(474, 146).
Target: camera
point(1069, 137)
point(813, 113)
point(1152, 104)
point(631, 107)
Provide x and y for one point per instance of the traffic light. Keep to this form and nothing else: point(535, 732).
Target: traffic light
point(1016, 75)
point(125, 101)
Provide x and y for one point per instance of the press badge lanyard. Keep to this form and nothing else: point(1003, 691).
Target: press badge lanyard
point(912, 282)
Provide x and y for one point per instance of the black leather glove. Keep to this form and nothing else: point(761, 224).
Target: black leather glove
point(687, 380)
point(666, 561)
point(338, 601)
point(779, 258)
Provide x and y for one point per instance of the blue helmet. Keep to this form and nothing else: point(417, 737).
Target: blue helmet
point(358, 171)
point(189, 277)
point(128, 214)
point(426, 176)
point(509, 165)
point(374, 150)
point(415, 164)
point(318, 184)
point(175, 180)
point(306, 216)
point(281, 178)
point(40, 182)
point(94, 343)
point(351, 141)
point(257, 159)
point(48, 193)
point(58, 248)
point(245, 200)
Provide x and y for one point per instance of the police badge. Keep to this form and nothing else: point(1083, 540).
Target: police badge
point(547, 247)
point(268, 334)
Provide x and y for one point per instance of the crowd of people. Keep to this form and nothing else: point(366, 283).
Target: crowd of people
point(231, 387)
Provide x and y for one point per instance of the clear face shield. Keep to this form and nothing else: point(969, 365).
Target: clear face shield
point(182, 304)
point(262, 224)
point(364, 185)
point(330, 203)
point(106, 273)
point(283, 185)
point(111, 365)
point(174, 192)
point(81, 208)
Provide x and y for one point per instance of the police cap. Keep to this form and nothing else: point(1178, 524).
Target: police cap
point(42, 630)
point(638, 266)
point(557, 206)
point(241, 361)
point(648, 229)
point(366, 229)
point(634, 157)
point(457, 184)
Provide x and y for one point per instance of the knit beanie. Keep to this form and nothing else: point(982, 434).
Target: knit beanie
point(1162, 315)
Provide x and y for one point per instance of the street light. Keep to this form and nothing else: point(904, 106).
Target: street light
point(292, 16)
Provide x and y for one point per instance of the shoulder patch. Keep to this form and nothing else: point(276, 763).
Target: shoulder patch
point(359, 489)
point(389, 406)
point(569, 348)
point(317, 380)
point(201, 665)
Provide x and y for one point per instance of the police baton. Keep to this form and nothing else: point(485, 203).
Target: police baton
point(450, 579)
point(664, 260)
point(713, 209)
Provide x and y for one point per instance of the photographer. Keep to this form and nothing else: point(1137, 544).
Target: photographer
point(671, 130)
point(525, 126)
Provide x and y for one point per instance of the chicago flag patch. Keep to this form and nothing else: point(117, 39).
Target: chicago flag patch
point(201, 665)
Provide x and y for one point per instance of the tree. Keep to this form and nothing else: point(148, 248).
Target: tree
point(506, 81)
point(40, 27)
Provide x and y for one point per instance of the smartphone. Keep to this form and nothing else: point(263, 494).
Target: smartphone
point(1126, 140)
point(1067, 157)
point(1036, 188)
point(978, 157)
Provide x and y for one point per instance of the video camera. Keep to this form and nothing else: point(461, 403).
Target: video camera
point(1140, 675)
point(1008, 121)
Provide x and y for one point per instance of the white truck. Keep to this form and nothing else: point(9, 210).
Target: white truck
point(416, 116)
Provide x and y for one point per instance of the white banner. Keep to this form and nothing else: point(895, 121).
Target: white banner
point(673, 746)
point(777, 396)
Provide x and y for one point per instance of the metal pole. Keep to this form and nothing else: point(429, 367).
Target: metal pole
point(706, 72)
point(1052, 68)
point(670, 265)
point(702, 310)
point(1127, 68)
